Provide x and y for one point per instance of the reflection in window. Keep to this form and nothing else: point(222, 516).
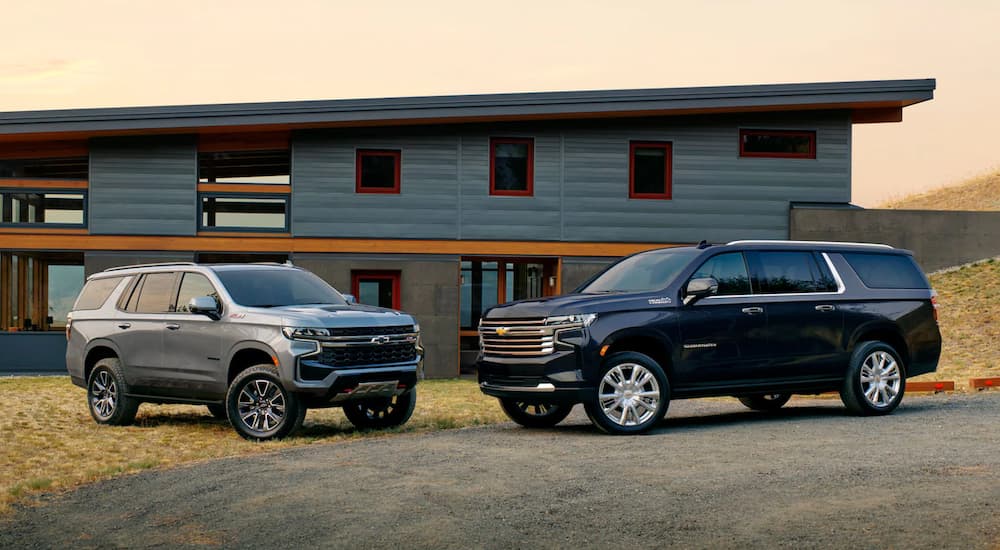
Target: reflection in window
point(68, 168)
point(244, 212)
point(777, 143)
point(649, 170)
point(729, 270)
point(377, 288)
point(38, 289)
point(511, 166)
point(47, 208)
point(193, 285)
point(792, 272)
point(64, 284)
point(248, 167)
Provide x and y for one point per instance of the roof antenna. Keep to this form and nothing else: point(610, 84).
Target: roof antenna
point(703, 245)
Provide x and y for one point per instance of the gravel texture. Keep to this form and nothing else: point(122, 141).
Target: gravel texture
point(714, 475)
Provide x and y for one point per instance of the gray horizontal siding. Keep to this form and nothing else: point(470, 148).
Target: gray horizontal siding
point(143, 186)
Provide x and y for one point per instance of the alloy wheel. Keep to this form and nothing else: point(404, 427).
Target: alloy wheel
point(880, 379)
point(261, 405)
point(629, 394)
point(103, 394)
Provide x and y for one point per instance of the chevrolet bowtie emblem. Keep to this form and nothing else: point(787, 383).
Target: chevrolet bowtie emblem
point(502, 331)
point(380, 340)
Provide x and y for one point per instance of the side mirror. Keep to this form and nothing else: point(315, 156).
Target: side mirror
point(700, 288)
point(205, 305)
point(350, 298)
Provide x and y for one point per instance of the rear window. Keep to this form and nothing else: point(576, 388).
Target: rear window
point(792, 273)
point(96, 292)
point(886, 270)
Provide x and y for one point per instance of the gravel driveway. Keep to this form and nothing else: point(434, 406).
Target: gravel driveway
point(714, 475)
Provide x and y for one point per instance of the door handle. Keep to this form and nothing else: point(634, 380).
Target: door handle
point(124, 325)
point(753, 310)
point(825, 307)
point(173, 326)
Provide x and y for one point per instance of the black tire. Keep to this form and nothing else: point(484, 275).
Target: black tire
point(621, 366)
point(382, 412)
point(106, 394)
point(766, 402)
point(259, 406)
point(218, 411)
point(535, 414)
point(875, 381)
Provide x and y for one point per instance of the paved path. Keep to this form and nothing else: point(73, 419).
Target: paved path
point(713, 476)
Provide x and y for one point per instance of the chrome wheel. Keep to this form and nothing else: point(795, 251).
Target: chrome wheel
point(629, 394)
point(261, 405)
point(880, 379)
point(103, 395)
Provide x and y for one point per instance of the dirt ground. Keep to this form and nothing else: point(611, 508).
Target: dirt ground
point(714, 475)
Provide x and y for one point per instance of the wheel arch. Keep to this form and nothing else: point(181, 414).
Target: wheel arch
point(645, 342)
point(97, 350)
point(245, 355)
point(884, 333)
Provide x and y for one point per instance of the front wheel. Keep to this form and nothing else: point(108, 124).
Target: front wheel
point(381, 412)
point(632, 395)
point(535, 415)
point(260, 408)
point(876, 380)
point(766, 402)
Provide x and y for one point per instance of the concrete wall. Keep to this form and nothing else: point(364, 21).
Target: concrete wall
point(429, 289)
point(33, 353)
point(938, 239)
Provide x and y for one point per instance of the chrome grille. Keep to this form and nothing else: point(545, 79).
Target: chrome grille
point(516, 337)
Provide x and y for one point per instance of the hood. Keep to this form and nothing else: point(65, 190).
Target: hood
point(354, 315)
point(578, 303)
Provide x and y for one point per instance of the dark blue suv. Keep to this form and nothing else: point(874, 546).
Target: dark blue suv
point(758, 320)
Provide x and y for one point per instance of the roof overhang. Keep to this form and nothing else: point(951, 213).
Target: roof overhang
point(869, 101)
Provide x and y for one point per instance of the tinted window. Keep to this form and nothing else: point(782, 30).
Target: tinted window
point(277, 287)
point(192, 286)
point(650, 170)
point(155, 294)
point(96, 292)
point(265, 167)
point(777, 143)
point(887, 270)
point(378, 170)
point(244, 212)
point(646, 271)
point(730, 270)
point(792, 272)
point(511, 162)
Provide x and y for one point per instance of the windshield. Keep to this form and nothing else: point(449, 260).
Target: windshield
point(277, 287)
point(642, 272)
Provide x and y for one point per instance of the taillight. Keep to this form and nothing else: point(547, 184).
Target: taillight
point(934, 303)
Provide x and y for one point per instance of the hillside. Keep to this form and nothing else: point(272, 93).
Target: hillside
point(979, 193)
point(969, 313)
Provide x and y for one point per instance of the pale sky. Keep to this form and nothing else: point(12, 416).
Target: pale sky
point(107, 53)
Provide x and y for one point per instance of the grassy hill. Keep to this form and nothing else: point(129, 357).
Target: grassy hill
point(969, 315)
point(979, 193)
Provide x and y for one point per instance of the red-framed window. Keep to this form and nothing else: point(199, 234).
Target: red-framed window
point(512, 166)
point(377, 171)
point(377, 288)
point(650, 170)
point(788, 144)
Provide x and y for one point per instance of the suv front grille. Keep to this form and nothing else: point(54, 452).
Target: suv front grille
point(370, 331)
point(368, 355)
point(516, 337)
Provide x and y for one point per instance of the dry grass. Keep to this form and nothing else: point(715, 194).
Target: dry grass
point(969, 312)
point(979, 193)
point(48, 442)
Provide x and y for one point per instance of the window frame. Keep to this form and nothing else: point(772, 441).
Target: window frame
point(668, 169)
point(811, 134)
point(529, 190)
point(396, 154)
point(4, 191)
point(238, 229)
point(382, 275)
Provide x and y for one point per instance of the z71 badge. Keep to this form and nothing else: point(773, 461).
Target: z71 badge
point(660, 301)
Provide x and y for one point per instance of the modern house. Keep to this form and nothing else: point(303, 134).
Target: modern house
point(442, 206)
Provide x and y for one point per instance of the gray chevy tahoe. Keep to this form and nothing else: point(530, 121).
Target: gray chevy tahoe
point(257, 343)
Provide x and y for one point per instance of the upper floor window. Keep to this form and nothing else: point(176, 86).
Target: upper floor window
point(62, 168)
point(242, 212)
point(649, 171)
point(245, 167)
point(377, 171)
point(794, 144)
point(512, 166)
point(18, 206)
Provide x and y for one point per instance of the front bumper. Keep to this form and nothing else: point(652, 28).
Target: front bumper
point(557, 377)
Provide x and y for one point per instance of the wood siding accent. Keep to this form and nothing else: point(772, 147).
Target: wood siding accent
point(246, 188)
point(41, 230)
point(252, 243)
point(41, 184)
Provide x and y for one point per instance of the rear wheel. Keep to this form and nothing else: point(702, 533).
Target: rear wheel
point(260, 408)
point(107, 394)
point(382, 412)
point(876, 380)
point(535, 415)
point(632, 395)
point(766, 402)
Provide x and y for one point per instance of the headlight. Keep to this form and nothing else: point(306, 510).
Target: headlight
point(416, 326)
point(579, 319)
point(306, 333)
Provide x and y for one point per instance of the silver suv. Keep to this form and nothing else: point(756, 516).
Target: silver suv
point(257, 343)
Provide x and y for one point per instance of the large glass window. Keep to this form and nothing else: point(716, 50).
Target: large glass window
point(156, 293)
point(778, 144)
point(650, 170)
point(730, 270)
point(378, 171)
point(50, 208)
point(792, 272)
point(512, 170)
point(243, 212)
point(38, 289)
point(246, 167)
point(63, 168)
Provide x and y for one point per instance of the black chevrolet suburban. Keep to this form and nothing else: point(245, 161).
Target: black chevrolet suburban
point(757, 320)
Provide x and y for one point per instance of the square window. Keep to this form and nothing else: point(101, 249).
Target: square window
point(512, 166)
point(650, 167)
point(378, 171)
point(376, 288)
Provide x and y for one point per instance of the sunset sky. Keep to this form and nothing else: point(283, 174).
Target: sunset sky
point(103, 53)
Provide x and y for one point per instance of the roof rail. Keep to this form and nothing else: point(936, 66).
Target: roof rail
point(119, 268)
point(774, 241)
